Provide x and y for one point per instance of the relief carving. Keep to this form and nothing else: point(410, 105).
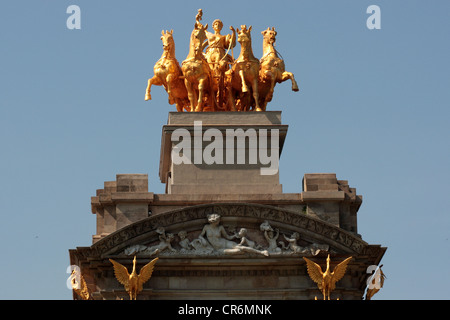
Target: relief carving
point(266, 238)
point(214, 239)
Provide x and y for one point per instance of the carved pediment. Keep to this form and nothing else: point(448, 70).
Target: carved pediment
point(179, 233)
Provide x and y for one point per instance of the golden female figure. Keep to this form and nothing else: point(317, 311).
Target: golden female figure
point(218, 58)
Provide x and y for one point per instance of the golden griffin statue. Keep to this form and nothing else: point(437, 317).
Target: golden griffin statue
point(326, 281)
point(211, 79)
point(133, 282)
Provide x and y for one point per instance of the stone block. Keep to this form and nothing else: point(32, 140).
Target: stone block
point(109, 219)
point(320, 182)
point(110, 186)
point(132, 182)
point(323, 196)
point(127, 213)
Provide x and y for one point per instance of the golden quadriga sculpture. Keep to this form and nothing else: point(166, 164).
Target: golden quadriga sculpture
point(210, 79)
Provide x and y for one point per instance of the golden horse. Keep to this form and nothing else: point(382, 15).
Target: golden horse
point(272, 69)
point(244, 75)
point(167, 72)
point(198, 77)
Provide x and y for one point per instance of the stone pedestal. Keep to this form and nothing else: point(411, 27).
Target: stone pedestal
point(230, 153)
point(319, 220)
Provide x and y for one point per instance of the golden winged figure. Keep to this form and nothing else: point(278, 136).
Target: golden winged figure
point(133, 282)
point(326, 281)
point(79, 285)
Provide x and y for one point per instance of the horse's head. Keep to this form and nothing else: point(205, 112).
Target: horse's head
point(269, 35)
point(167, 40)
point(198, 37)
point(244, 36)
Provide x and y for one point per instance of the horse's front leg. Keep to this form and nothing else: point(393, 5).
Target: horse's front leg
point(169, 80)
point(256, 93)
point(270, 77)
point(201, 92)
point(191, 94)
point(152, 81)
point(288, 75)
point(244, 85)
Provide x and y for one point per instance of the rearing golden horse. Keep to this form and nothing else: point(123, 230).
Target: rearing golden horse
point(272, 69)
point(167, 72)
point(197, 73)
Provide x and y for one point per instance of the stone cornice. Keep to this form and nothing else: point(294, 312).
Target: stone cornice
point(112, 198)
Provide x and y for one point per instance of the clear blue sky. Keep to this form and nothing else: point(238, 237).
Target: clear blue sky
point(373, 108)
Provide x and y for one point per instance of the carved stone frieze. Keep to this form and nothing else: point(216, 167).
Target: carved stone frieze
point(147, 233)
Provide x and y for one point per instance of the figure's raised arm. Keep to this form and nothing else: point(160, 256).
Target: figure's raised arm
point(225, 234)
point(231, 38)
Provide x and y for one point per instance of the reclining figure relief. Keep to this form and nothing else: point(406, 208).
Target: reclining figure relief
point(215, 240)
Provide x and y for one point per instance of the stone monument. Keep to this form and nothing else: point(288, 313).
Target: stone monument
point(224, 229)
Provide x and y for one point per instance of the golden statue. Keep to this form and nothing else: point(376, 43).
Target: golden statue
point(133, 283)
point(213, 80)
point(198, 77)
point(272, 69)
point(79, 285)
point(244, 75)
point(326, 281)
point(374, 287)
point(167, 72)
point(218, 57)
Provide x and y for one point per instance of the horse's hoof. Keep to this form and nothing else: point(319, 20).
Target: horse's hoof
point(148, 96)
point(295, 89)
point(258, 109)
